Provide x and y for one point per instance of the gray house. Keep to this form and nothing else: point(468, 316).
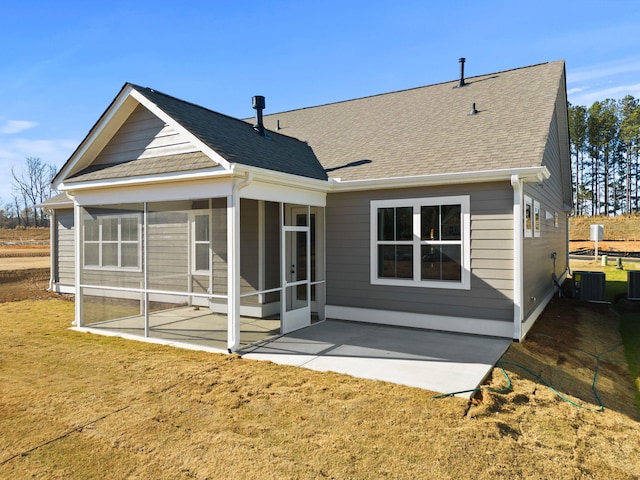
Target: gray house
point(441, 207)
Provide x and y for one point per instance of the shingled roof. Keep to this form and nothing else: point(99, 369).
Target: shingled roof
point(429, 130)
point(421, 131)
point(236, 141)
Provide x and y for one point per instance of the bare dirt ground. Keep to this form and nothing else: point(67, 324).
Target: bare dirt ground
point(608, 247)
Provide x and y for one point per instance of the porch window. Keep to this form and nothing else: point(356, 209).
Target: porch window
point(112, 242)
point(421, 242)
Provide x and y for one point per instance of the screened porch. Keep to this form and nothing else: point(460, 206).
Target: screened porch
point(201, 271)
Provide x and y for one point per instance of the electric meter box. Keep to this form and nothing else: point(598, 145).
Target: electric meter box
point(596, 233)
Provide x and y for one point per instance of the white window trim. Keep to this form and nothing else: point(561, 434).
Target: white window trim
point(536, 225)
point(100, 242)
point(528, 232)
point(193, 242)
point(416, 203)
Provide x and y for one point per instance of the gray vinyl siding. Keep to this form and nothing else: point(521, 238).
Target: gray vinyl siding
point(219, 245)
point(168, 250)
point(65, 273)
point(272, 249)
point(538, 262)
point(348, 255)
point(249, 273)
point(143, 135)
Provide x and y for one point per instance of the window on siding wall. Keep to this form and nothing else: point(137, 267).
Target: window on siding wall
point(112, 242)
point(536, 218)
point(528, 217)
point(421, 242)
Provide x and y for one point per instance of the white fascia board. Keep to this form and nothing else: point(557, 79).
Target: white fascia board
point(279, 178)
point(111, 120)
point(536, 174)
point(207, 173)
point(153, 108)
point(156, 192)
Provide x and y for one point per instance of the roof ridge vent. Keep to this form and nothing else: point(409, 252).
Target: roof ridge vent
point(461, 82)
point(258, 105)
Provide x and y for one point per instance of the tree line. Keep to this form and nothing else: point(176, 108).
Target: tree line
point(605, 145)
point(31, 185)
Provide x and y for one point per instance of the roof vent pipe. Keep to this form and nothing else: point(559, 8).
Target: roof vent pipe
point(258, 105)
point(473, 109)
point(461, 82)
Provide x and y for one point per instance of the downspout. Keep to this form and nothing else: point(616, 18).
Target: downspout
point(518, 260)
point(53, 248)
point(233, 256)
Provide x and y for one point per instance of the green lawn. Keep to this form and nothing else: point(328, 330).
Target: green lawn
point(616, 290)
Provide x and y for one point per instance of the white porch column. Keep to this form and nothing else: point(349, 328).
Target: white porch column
point(233, 264)
point(77, 225)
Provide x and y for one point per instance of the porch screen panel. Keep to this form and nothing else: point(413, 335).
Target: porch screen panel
point(111, 246)
point(181, 237)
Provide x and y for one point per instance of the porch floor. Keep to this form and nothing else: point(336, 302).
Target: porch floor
point(438, 361)
point(187, 325)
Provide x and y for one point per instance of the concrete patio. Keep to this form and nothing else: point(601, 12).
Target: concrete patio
point(438, 361)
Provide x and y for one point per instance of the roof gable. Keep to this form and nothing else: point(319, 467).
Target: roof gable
point(143, 124)
point(236, 141)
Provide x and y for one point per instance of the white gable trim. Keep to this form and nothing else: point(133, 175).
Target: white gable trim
point(111, 120)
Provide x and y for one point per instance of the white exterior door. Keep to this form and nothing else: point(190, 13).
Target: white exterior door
point(296, 307)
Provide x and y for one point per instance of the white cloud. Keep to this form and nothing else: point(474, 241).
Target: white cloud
point(571, 91)
point(11, 127)
point(617, 92)
point(604, 70)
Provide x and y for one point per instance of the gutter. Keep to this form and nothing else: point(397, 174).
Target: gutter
point(535, 174)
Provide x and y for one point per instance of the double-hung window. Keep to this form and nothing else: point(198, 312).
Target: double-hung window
point(421, 242)
point(112, 242)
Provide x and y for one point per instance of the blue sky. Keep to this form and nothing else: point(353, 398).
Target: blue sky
point(61, 63)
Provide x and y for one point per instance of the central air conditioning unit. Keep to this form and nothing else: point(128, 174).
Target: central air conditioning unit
point(633, 284)
point(589, 286)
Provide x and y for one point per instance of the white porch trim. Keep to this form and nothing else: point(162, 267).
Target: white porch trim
point(476, 326)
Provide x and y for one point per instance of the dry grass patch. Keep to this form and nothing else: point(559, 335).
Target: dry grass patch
point(162, 412)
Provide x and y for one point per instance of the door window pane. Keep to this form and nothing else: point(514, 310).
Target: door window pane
point(202, 257)
point(202, 228)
